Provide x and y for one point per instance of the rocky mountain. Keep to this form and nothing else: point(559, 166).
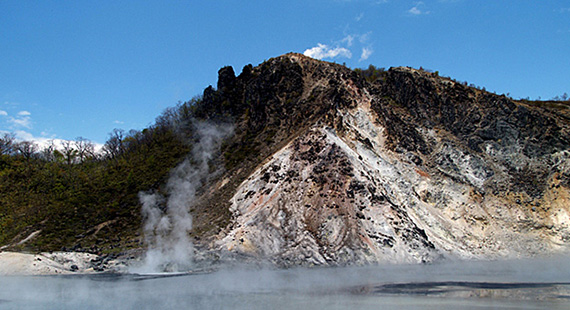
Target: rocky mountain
point(323, 165)
point(333, 166)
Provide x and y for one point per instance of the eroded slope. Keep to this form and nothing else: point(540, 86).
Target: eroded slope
point(408, 169)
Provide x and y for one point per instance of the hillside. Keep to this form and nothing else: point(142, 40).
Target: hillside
point(324, 165)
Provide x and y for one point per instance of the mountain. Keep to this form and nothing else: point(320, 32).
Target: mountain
point(334, 166)
point(325, 165)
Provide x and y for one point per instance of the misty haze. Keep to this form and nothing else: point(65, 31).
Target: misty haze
point(450, 285)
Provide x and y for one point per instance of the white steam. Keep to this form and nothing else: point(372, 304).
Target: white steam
point(167, 220)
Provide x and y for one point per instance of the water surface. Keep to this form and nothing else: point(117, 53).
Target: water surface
point(460, 285)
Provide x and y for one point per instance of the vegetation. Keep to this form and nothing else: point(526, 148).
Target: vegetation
point(76, 197)
point(72, 197)
point(372, 73)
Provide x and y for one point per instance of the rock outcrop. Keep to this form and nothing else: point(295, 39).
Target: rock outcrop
point(328, 167)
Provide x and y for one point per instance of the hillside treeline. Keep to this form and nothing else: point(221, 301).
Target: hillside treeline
point(72, 195)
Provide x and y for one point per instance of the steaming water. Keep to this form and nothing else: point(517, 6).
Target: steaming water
point(317, 288)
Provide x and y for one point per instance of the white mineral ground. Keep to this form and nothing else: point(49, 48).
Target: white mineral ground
point(12, 263)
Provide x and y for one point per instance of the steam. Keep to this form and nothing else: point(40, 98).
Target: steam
point(167, 220)
point(247, 287)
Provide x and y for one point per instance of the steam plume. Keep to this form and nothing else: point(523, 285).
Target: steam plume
point(167, 220)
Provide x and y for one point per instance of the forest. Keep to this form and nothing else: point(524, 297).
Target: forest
point(72, 188)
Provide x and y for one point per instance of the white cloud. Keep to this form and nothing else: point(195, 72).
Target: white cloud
point(24, 113)
point(415, 11)
point(3, 113)
point(23, 135)
point(118, 122)
point(22, 121)
point(418, 9)
point(345, 47)
point(359, 17)
point(324, 51)
point(43, 142)
point(366, 52)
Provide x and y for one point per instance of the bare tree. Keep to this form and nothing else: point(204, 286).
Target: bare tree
point(85, 148)
point(114, 146)
point(168, 118)
point(48, 152)
point(69, 152)
point(562, 97)
point(26, 149)
point(7, 144)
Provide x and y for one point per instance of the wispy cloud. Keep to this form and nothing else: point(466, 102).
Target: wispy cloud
point(118, 122)
point(418, 9)
point(343, 48)
point(322, 51)
point(47, 135)
point(363, 38)
point(20, 123)
point(414, 11)
point(366, 52)
point(23, 120)
point(348, 40)
point(564, 10)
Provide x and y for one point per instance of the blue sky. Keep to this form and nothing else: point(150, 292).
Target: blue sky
point(82, 68)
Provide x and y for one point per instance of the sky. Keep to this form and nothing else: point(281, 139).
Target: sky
point(72, 69)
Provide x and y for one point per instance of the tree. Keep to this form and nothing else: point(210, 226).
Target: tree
point(372, 73)
point(85, 149)
point(563, 97)
point(168, 118)
point(26, 149)
point(68, 151)
point(114, 145)
point(7, 144)
point(48, 152)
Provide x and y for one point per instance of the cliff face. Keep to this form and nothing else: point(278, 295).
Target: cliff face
point(327, 167)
